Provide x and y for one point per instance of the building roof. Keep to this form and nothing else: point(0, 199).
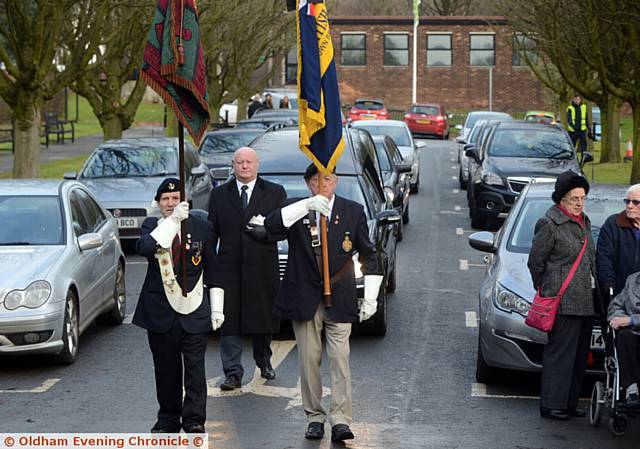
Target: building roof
point(424, 20)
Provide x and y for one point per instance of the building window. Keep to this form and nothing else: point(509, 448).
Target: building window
point(523, 48)
point(353, 49)
point(396, 49)
point(291, 66)
point(482, 50)
point(438, 50)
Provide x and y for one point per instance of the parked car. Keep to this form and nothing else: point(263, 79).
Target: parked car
point(64, 267)
point(513, 155)
point(474, 116)
point(124, 175)
point(217, 148)
point(427, 119)
point(545, 117)
point(267, 121)
point(399, 132)
point(474, 140)
point(368, 109)
point(394, 177)
point(506, 292)
point(282, 162)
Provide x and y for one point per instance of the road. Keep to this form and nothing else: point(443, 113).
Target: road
point(414, 388)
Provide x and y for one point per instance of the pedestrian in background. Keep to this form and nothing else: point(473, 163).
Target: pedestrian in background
point(268, 101)
point(255, 105)
point(177, 326)
point(578, 123)
point(300, 297)
point(249, 260)
point(559, 238)
point(284, 103)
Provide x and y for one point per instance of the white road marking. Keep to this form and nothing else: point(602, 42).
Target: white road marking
point(455, 178)
point(456, 191)
point(450, 212)
point(464, 264)
point(127, 318)
point(480, 391)
point(44, 387)
point(470, 319)
point(456, 207)
point(135, 262)
point(453, 167)
point(453, 159)
point(459, 231)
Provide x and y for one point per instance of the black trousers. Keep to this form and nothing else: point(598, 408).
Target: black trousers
point(628, 346)
point(564, 361)
point(174, 353)
point(581, 138)
point(231, 353)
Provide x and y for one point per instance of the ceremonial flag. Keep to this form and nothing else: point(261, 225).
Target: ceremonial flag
point(320, 121)
point(174, 64)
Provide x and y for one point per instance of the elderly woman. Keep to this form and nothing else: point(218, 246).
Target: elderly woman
point(559, 238)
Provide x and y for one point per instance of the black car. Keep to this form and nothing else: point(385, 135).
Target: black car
point(394, 176)
point(282, 162)
point(511, 156)
point(217, 148)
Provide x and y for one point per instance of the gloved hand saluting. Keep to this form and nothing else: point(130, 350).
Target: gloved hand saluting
point(297, 210)
point(216, 298)
point(370, 304)
point(169, 227)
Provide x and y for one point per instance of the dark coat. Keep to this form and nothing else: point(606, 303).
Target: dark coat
point(627, 302)
point(250, 268)
point(153, 311)
point(301, 289)
point(556, 245)
point(618, 253)
point(253, 107)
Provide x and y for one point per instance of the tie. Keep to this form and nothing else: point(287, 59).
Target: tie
point(244, 198)
point(175, 251)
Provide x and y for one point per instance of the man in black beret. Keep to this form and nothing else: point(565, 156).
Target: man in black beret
point(177, 326)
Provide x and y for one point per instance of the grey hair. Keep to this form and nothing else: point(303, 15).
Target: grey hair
point(633, 188)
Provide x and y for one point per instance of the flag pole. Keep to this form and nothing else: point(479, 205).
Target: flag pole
point(183, 225)
point(326, 278)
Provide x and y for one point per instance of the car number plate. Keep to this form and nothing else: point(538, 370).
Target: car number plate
point(127, 222)
point(597, 340)
point(423, 122)
point(368, 116)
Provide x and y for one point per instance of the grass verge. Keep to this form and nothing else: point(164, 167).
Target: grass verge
point(56, 169)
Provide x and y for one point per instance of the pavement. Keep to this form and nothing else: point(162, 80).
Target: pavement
point(81, 146)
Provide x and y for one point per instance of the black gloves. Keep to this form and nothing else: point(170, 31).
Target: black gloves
point(256, 232)
point(606, 286)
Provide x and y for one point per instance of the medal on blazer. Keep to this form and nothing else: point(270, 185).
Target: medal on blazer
point(197, 257)
point(347, 245)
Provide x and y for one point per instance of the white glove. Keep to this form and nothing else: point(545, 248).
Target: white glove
point(257, 220)
point(370, 304)
point(180, 212)
point(165, 232)
point(216, 298)
point(294, 212)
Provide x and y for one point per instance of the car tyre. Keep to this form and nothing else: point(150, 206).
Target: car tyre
point(399, 231)
point(414, 188)
point(116, 314)
point(484, 373)
point(405, 215)
point(379, 320)
point(70, 331)
point(391, 277)
point(461, 181)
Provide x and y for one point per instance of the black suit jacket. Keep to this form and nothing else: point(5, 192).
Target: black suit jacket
point(250, 268)
point(301, 289)
point(153, 311)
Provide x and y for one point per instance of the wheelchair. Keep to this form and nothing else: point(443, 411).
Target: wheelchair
point(606, 395)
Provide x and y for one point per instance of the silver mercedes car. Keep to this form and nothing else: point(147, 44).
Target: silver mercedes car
point(506, 292)
point(124, 175)
point(63, 267)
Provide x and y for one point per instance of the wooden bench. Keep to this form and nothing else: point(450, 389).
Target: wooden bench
point(6, 135)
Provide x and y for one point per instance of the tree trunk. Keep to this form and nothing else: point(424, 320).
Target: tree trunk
point(112, 128)
point(635, 171)
point(26, 161)
point(610, 127)
point(241, 114)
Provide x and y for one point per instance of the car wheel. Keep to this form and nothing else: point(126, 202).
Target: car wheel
point(116, 314)
point(484, 373)
point(399, 231)
point(461, 181)
point(405, 215)
point(415, 187)
point(379, 320)
point(70, 331)
point(391, 277)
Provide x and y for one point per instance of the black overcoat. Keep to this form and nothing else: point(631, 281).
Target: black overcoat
point(250, 268)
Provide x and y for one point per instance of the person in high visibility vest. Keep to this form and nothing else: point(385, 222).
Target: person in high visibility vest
point(578, 123)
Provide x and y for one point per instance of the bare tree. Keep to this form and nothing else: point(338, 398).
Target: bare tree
point(446, 7)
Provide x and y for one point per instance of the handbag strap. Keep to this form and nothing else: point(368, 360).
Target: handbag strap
point(574, 268)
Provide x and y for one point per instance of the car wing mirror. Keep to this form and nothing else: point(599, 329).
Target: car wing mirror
point(403, 168)
point(388, 216)
point(71, 175)
point(89, 241)
point(473, 154)
point(461, 140)
point(419, 145)
point(197, 172)
point(482, 241)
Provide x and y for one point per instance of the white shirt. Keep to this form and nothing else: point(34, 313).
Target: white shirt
point(250, 186)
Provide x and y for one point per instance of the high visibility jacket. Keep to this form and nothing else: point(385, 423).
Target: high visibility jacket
point(571, 113)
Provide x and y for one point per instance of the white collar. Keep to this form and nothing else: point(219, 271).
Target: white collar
point(250, 185)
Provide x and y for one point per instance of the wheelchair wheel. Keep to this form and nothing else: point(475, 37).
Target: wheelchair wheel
point(618, 425)
point(596, 407)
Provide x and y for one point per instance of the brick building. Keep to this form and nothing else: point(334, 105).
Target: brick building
point(374, 58)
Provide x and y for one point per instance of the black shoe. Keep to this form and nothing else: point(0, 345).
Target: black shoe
point(230, 383)
point(268, 372)
point(158, 430)
point(554, 413)
point(195, 428)
point(632, 401)
point(576, 412)
point(341, 432)
point(315, 431)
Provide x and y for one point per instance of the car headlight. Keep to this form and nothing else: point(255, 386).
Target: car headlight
point(509, 301)
point(390, 194)
point(492, 179)
point(357, 266)
point(35, 295)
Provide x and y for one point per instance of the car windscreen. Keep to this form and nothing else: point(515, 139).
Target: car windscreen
point(372, 105)
point(531, 143)
point(429, 110)
point(30, 220)
point(348, 187)
point(226, 143)
point(521, 236)
point(398, 133)
point(121, 162)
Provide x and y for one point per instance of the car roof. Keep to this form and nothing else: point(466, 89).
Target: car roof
point(549, 113)
point(363, 123)
point(228, 131)
point(31, 187)
point(545, 189)
point(437, 105)
point(141, 141)
point(520, 124)
point(490, 113)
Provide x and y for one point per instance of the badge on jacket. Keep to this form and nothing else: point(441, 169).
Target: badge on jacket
point(197, 257)
point(347, 245)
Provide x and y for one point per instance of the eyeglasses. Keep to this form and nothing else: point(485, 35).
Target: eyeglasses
point(634, 202)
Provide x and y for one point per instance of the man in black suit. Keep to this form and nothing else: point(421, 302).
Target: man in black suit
point(300, 296)
point(178, 326)
point(249, 260)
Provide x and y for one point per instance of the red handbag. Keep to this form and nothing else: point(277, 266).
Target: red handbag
point(543, 311)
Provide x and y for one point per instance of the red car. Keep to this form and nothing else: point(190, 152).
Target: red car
point(427, 119)
point(368, 109)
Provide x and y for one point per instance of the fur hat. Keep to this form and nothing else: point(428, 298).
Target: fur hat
point(567, 181)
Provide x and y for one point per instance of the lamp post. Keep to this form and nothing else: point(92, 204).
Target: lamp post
point(416, 20)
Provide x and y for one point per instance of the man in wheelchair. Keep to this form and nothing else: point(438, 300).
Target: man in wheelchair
point(624, 317)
